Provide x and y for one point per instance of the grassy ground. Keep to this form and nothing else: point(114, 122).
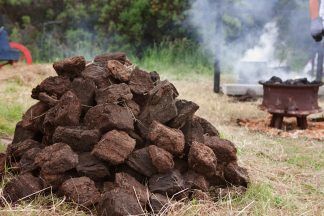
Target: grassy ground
point(287, 175)
point(178, 59)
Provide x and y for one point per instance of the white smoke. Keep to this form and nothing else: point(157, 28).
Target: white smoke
point(207, 16)
point(204, 16)
point(265, 48)
point(259, 62)
point(252, 57)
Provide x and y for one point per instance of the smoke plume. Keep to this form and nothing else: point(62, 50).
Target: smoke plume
point(248, 47)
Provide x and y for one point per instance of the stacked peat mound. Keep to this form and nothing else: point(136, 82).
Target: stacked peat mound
point(110, 135)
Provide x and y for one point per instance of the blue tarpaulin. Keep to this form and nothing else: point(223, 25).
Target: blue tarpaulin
point(6, 53)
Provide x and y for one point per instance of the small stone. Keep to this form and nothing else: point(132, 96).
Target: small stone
point(193, 132)
point(134, 107)
point(218, 179)
point(108, 186)
point(124, 168)
point(50, 101)
point(155, 76)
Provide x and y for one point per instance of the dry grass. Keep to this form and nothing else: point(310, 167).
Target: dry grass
point(287, 174)
point(16, 83)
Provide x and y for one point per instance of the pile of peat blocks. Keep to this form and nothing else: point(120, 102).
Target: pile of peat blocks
point(110, 136)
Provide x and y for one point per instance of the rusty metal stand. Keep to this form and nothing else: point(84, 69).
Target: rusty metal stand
point(276, 121)
point(302, 122)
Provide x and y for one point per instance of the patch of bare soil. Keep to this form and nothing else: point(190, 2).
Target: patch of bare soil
point(290, 129)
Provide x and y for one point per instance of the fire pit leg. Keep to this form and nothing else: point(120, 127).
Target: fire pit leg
point(302, 122)
point(276, 121)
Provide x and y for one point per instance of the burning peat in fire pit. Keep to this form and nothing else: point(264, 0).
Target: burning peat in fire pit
point(109, 135)
point(290, 82)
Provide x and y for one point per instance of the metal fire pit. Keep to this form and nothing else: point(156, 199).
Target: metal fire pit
point(282, 100)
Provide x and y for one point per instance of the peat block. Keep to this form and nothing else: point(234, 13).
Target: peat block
point(161, 159)
point(56, 158)
point(119, 202)
point(78, 138)
point(124, 180)
point(108, 116)
point(92, 167)
point(141, 162)
point(119, 71)
point(81, 190)
point(202, 159)
point(113, 94)
point(167, 183)
point(170, 139)
point(70, 67)
point(114, 147)
point(22, 186)
point(224, 150)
